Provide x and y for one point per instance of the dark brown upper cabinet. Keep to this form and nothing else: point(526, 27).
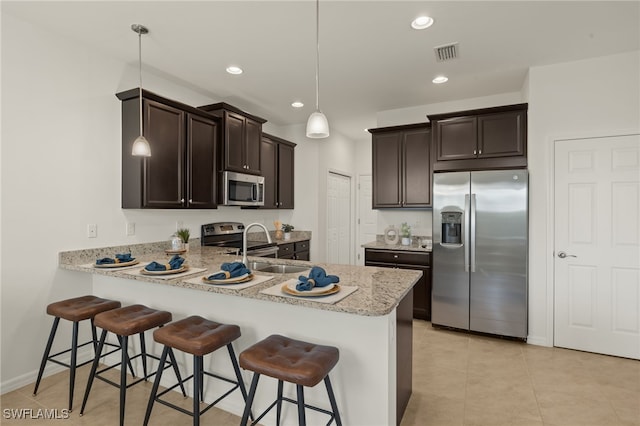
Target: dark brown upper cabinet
point(402, 166)
point(181, 172)
point(241, 137)
point(483, 139)
point(277, 165)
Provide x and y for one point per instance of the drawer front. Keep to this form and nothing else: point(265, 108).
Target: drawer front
point(285, 249)
point(301, 245)
point(404, 257)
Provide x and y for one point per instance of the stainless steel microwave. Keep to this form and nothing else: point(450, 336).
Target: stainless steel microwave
point(239, 189)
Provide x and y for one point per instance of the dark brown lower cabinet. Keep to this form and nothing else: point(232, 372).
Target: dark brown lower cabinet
point(298, 250)
point(403, 259)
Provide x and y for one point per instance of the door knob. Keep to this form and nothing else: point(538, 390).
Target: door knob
point(562, 255)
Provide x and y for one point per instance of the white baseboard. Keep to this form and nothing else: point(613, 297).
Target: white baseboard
point(539, 341)
point(84, 354)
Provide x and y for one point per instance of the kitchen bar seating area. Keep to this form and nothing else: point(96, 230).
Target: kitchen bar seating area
point(372, 306)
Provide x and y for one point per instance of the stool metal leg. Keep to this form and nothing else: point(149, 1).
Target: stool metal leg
point(236, 368)
point(332, 400)
point(123, 377)
point(130, 366)
point(175, 369)
point(143, 350)
point(197, 388)
point(279, 406)
point(94, 367)
point(94, 335)
point(156, 385)
point(252, 393)
point(72, 365)
point(301, 416)
point(47, 350)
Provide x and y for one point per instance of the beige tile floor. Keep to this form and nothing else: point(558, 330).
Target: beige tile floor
point(458, 379)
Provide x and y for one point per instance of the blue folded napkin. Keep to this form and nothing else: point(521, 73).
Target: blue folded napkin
point(230, 270)
point(120, 258)
point(317, 278)
point(175, 263)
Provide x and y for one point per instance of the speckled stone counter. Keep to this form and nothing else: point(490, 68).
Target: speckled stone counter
point(372, 327)
point(379, 289)
point(380, 244)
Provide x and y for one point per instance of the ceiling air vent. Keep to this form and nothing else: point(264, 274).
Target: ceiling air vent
point(446, 52)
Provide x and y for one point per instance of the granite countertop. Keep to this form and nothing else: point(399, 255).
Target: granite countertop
point(397, 247)
point(380, 290)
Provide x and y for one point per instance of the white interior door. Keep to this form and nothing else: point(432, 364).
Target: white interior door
point(367, 216)
point(596, 247)
point(338, 218)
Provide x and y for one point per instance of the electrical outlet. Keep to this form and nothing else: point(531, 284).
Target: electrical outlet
point(131, 228)
point(92, 230)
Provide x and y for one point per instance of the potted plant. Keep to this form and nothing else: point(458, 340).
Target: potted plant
point(183, 234)
point(286, 228)
point(405, 233)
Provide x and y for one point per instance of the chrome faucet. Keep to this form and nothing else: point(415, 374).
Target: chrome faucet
point(244, 239)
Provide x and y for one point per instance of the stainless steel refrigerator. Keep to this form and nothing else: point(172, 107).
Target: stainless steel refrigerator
point(480, 251)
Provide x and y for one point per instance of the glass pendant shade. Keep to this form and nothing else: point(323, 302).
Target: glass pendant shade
point(141, 147)
point(317, 126)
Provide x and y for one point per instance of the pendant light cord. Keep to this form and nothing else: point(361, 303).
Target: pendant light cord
point(317, 55)
point(140, 74)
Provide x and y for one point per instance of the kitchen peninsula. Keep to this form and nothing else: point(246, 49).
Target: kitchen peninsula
point(372, 326)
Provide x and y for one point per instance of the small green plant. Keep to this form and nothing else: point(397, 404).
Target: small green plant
point(184, 234)
point(287, 228)
point(405, 230)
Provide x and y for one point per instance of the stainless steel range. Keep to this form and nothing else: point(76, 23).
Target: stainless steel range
point(229, 234)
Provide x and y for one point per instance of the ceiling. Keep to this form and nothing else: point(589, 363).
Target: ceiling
point(370, 58)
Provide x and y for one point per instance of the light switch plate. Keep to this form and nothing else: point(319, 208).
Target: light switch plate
point(131, 228)
point(92, 230)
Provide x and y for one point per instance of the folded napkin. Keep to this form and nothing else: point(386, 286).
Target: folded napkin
point(120, 258)
point(175, 263)
point(230, 270)
point(317, 278)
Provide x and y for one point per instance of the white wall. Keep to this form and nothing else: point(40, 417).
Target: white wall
point(577, 99)
point(61, 145)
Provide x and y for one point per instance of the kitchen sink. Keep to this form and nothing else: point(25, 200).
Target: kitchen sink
point(276, 268)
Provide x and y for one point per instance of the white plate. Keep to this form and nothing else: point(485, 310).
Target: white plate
point(169, 272)
point(117, 265)
point(235, 280)
point(314, 290)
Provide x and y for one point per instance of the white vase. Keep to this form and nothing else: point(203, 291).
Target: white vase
point(186, 246)
point(287, 236)
point(406, 241)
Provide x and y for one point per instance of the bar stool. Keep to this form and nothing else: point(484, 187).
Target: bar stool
point(74, 310)
point(125, 322)
point(293, 361)
point(196, 336)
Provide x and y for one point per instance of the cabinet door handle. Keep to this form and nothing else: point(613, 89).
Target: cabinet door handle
point(480, 152)
point(190, 200)
point(475, 152)
point(395, 256)
point(182, 200)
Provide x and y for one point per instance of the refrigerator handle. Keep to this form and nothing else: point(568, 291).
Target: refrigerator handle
point(472, 235)
point(467, 215)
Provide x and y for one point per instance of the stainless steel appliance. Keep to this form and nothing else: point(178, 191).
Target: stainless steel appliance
point(229, 234)
point(480, 251)
point(239, 189)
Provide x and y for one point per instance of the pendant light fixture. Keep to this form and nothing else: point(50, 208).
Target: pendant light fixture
point(141, 146)
point(317, 125)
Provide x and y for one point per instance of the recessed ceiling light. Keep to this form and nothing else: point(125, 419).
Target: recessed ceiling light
point(234, 70)
point(297, 104)
point(422, 22)
point(440, 79)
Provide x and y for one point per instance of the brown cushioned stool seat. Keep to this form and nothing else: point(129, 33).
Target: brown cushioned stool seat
point(74, 310)
point(125, 322)
point(132, 319)
point(293, 361)
point(196, 336)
